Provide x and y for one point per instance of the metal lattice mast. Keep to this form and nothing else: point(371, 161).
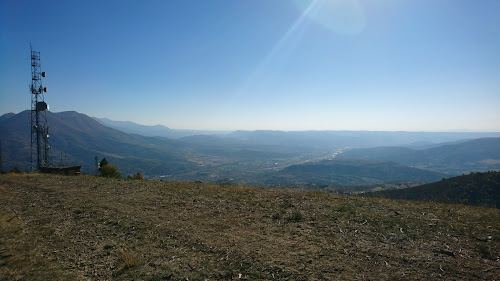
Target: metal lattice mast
point(40, 143)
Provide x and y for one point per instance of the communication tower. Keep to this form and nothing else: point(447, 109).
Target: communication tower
point(40, 142)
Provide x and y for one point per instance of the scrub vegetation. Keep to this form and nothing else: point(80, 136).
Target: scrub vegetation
point(80, 228)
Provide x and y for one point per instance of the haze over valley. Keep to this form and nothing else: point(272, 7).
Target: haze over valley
point(261, 158)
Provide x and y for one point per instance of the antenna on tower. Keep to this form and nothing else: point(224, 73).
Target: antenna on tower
point(40, 142)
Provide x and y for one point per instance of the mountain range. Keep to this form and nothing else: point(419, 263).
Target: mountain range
point(249, 156)
point(76, 139)
point(452, 158)
point(323, 139)
point(152, 131)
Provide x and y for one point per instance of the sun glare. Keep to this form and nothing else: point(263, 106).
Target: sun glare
point(341, 16)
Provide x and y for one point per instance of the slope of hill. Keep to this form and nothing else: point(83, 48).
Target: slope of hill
point(77, 139)
point(79, 228)
point(352, 172)
point(474, 155)
point(6, 116)
point(479, 189)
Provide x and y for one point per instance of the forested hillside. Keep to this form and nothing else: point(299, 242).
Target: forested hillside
point(480, 189)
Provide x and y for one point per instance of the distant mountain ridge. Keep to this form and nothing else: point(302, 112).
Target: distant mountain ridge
point(152, 131)
point(480, 189)
point(307, 138)
point(456, 158)
point(353, 139)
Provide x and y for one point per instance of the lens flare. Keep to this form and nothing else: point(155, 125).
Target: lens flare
point(341, 16)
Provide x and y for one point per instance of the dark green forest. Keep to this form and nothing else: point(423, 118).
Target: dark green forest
point(479, 189)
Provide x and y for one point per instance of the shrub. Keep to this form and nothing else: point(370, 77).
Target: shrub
point(137, 176)
point(295, 217)
point(15, 170)
point(126, 259)
point(110, 171)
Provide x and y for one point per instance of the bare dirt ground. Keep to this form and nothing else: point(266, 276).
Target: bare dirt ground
point(88, 228)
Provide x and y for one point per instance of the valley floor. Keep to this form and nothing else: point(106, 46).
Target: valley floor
point(80, 228)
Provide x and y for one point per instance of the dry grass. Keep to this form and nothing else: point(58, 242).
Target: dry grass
point(92, 228)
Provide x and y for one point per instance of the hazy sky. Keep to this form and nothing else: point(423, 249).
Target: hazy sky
point(430, 65)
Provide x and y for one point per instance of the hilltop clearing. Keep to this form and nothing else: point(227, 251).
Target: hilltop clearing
point(85, 227)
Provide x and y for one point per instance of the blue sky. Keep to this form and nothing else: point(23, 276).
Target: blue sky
point(423, 65)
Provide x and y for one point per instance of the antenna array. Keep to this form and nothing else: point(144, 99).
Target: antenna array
point(40, 142)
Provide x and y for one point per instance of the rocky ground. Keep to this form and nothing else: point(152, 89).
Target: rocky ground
point(89, 228)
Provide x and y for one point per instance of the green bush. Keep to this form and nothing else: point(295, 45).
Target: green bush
point(110, 171)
